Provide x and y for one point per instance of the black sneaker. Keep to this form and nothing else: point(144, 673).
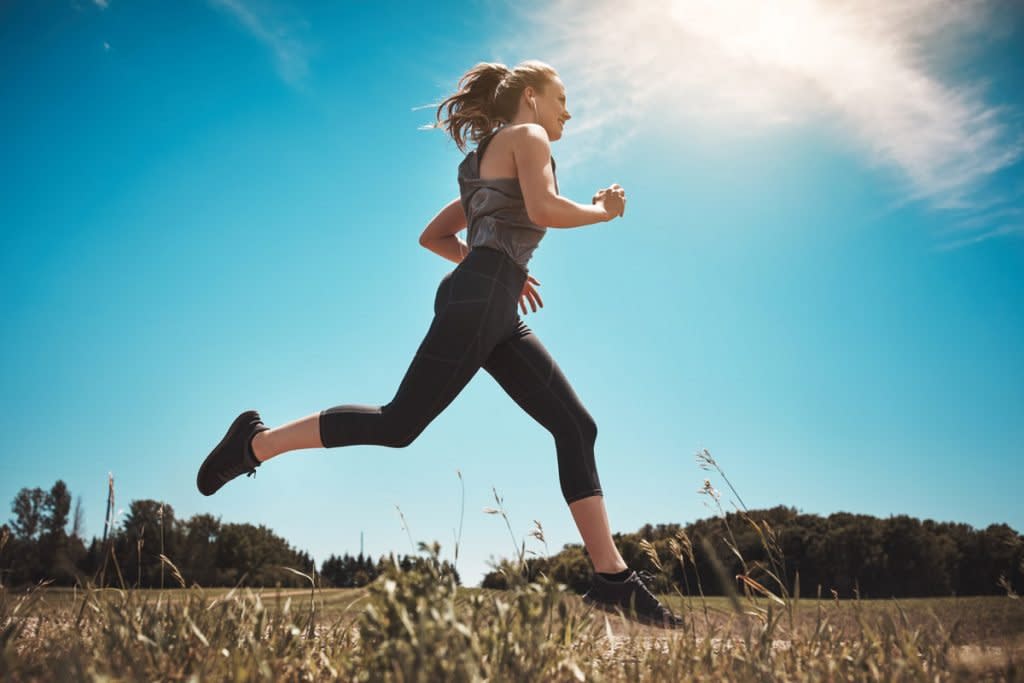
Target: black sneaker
point(633, 598)
point(233, 455)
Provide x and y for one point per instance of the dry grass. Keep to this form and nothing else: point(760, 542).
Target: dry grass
point(419, 626)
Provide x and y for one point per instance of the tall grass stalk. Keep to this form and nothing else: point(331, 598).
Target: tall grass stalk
point(520, 552)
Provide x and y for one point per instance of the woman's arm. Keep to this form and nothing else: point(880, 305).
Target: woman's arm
point(531, 150)
point(440, 234)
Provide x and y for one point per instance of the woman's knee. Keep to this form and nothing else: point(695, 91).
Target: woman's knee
point(590, 427)
point(401, 436)
point(401, 429)
point(579, 435)
point(587, 427)
point(403, 442)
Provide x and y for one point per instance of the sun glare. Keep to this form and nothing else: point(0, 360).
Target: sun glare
point(798, 35)
point(864, 70)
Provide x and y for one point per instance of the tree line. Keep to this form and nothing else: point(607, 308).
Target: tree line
point(851, 554)
point(40, 544)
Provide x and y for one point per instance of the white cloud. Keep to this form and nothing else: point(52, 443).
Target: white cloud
point(266, 24)
point(102, 4)
point(872, 69)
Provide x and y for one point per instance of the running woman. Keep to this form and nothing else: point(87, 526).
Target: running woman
point(508, 199)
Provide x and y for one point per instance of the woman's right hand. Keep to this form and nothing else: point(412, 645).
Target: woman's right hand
point(612, 199)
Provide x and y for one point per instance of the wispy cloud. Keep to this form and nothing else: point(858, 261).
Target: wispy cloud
point(982, 225)
point(872, 69)
point(980, 236)
point(279, 33)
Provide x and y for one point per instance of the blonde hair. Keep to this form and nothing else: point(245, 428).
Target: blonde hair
point(488, 97)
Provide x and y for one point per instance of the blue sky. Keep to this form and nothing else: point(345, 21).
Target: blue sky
point(214, 206)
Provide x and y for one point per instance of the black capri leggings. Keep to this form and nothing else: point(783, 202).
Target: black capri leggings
point(476, 325)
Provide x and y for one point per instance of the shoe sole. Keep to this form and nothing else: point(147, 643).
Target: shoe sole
point(238, 423)
point(621, 611)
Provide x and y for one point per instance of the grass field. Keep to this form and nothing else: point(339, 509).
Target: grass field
point(415, 626)
point(992, 620)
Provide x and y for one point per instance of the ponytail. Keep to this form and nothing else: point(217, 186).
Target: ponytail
point(487, 98)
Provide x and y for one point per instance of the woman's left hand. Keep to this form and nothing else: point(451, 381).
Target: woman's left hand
point(530, 294)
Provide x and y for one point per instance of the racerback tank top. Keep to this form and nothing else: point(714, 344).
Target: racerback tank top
point(496, 212)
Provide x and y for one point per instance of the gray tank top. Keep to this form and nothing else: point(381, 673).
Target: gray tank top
point(495, 211)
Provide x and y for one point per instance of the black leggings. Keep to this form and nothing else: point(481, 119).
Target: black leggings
point(476, 325)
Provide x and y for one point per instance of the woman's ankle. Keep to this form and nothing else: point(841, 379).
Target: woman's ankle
point(260, 447)
point(616, 576)
point(613, 568)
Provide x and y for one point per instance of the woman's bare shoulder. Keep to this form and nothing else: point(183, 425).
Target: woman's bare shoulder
point(527, 137)
point(525, 130)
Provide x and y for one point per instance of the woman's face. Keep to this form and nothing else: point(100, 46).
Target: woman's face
point(550, 103)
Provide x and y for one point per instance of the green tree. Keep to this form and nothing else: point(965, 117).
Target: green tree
point(148, 529)
point(197, 556)
point(26, 564)
point(54, 548)
point(28, 513)
point(57, 508)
